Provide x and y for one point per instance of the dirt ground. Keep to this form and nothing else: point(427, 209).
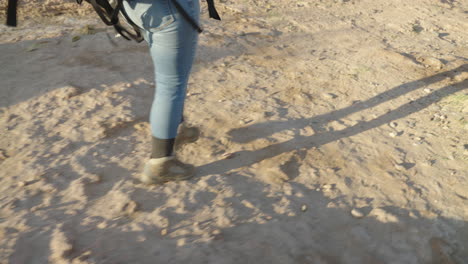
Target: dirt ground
point(333, 131)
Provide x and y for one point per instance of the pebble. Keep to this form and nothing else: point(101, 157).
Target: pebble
point(22, 184)
point(393, 124)
point(357, 213)
point(392, 134)
point(130, 207)
point(304, 208)
point(399, 167)
point(3, 154)
point(245, 121)
point(329, 96)
point(228, 155)
point(217, 234)
point(141, 126)
point(432, 62)
point(181, 242)
point(164, 232)
point(248, 204)
point(427, 90)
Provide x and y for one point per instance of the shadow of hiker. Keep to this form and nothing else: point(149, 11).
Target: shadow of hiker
point(246, 134)
point(255, 131)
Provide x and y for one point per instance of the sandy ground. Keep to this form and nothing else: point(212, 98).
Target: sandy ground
point(332, 132)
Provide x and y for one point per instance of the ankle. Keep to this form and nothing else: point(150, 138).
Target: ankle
point(162, 147)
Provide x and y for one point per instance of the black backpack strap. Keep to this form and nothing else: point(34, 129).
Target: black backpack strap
point(104, 10)
point(212, 10)
point(187, 16)
point(137, 36)
point(110, 16)
point(11, 13)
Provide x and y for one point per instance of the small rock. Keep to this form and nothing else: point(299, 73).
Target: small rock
point(228, 155)
point(427, 90)
point(357, 213)
point(217, 234)
point(330, 96)
point(392, 134)
point(304, 208)
point(143, 126)
point(393, 124)
point(102, 225)
point(245, 121)
point(164, 232)
point(3, 154)
point(248, 204)
point(432, 62)
point(22, 184)
point(399, 167)
point(181, 242)
point(130, 207)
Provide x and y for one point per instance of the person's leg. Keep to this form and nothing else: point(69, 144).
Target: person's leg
point(172, 42)
point(172, 49)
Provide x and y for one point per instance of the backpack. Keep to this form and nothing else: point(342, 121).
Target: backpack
point(113, 14)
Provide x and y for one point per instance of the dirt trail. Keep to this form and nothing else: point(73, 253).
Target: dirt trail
point(332, 132)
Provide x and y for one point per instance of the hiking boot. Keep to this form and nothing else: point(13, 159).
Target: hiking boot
point(166, 169)
point(186, 135)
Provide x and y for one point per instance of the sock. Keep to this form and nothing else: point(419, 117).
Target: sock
point(162, 147)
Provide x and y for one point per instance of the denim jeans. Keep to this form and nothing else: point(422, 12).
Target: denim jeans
point(172, 43)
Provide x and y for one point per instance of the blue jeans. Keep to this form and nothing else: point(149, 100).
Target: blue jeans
point(172, 42)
